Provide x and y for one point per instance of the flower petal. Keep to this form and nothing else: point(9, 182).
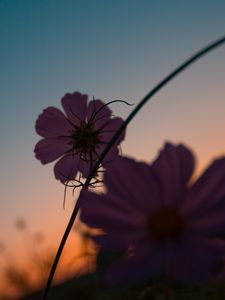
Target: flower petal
point(194, 260)
point(101, 211)
point(52, 123)
point(132, 182)
point(98, 113)
point(66, 168)
point(120, 240)
point(172, 170)
point(146, 263)
point(105, 136)
point(110, 156)
point(75, 106)
point(211, 224)
point(110, 128)
point(207, 194)
point(84, 168)
point(47, 150)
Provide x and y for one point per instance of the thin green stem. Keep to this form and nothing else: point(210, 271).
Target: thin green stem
point(158, 87)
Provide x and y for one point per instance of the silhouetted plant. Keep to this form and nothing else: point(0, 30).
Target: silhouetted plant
point(32, 274)
point(165, 223)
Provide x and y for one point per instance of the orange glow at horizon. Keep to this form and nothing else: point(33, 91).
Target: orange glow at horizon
point(78, 257)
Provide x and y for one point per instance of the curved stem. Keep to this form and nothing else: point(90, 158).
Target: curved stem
point(159, 86)
point(60, 249)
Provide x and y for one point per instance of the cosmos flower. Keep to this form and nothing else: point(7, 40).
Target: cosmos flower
point(166, 224)
point(78, 137)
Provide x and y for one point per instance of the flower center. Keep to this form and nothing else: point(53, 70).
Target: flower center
point(166, 224)
point(85, 139)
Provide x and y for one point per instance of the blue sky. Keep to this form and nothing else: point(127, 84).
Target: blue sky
point(110, 50)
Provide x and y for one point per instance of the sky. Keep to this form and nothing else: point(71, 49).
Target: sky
point(110, 50)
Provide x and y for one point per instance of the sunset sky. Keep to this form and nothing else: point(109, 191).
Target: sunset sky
point(116, 49)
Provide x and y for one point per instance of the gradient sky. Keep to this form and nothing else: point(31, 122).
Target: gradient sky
point(116, 49)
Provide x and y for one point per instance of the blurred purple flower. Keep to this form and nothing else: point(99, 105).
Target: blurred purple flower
point(78, 137)
point(166, 224)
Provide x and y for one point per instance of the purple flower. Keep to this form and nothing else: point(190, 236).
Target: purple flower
point(165, 223)
point(78, 137)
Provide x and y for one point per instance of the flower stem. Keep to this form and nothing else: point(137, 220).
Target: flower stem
point(158, 87)
point(60, 249)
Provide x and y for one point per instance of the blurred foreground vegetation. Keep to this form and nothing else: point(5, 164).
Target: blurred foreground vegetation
point(81, 276)
point(19, 279)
